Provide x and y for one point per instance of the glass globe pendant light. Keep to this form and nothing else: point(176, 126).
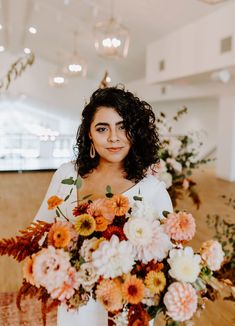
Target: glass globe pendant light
point(111, 38)
point(76, 66)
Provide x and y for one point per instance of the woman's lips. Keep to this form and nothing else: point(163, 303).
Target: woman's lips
point(114, 149)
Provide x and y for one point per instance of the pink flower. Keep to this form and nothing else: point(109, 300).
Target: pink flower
point(50, 267)
point(66, 290)
point(101, 207)
point(180, 301)
point(180, 226)
point(212, 254)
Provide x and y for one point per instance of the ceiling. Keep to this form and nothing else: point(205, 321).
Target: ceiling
point(56, 21)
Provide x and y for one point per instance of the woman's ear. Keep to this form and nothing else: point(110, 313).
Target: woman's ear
point(89, 135)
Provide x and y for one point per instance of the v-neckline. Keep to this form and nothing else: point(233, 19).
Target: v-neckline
point(75, 193)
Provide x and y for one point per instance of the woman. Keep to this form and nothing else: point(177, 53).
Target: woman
point(116, 143)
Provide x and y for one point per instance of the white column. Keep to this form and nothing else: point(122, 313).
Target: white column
point(225, 164)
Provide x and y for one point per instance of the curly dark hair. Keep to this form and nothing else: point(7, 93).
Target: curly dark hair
point(139, 123)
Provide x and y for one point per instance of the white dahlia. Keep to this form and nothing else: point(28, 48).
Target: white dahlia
point(88, 247)
point(185, 265)
point(148, 239)
point(113, 257)
point(87, 276)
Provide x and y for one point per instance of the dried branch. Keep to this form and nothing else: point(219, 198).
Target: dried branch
point(16, 69)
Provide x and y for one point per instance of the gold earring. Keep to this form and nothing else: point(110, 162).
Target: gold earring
point(92, 151)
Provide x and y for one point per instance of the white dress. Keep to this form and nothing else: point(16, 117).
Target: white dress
point(154, 193)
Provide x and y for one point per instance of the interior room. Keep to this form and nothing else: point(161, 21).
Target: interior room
point(177, 55)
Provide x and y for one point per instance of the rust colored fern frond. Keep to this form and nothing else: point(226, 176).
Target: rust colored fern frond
point(23, 246)
point(31, 291)
point(40, 293)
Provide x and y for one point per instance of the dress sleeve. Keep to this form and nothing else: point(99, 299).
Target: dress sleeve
point(54, 188)
point(162, 200)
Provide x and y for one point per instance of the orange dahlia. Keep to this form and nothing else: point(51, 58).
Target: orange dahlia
point(53, 202)
point(109, 293)
point(60, 235)
point(133, 289)
point(120, 204)
point(101, 223)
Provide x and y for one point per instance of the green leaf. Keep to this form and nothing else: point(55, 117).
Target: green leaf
point(87, 196)
point(81, 260)
point(172, 323)
point(78, 182)
point(57, 213)
point(165, 213)
point(109, 189)
point(67, 197)
point(69, 181)
point(153, 311)
point(137, 198)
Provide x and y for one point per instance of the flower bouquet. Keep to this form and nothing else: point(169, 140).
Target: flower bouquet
point(120, 254)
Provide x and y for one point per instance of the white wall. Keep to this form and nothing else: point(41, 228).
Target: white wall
point(67, 102)
point(202, 116)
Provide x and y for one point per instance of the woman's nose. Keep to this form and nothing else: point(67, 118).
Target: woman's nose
point(113, 136)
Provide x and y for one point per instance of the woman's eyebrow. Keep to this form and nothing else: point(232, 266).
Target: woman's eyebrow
point(107, 124)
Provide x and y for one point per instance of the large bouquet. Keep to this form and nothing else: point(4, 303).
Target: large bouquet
point(119, 253)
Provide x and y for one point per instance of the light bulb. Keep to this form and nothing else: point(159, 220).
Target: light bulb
point(27, 51)
point(75, 67)
point(32, 30)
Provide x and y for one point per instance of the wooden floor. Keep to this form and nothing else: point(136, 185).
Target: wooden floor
point(20, 197)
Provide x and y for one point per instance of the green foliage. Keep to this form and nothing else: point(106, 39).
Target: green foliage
point(109, 189)
point(138, 198)
point(68, 181)
point(78, 182)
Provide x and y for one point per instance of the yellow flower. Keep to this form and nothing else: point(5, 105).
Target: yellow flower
point(85, 225)
point(53, 202)
point(155, 281)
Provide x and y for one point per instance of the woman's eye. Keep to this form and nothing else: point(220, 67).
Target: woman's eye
point(101, 129)
point(122, 127)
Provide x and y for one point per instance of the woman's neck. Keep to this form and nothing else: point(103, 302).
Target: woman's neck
point(111, 168)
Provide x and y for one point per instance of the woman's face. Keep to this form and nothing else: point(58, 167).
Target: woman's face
point(109, 136)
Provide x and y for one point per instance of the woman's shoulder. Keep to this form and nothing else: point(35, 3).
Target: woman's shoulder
point(150, 182)
point(66, 170)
